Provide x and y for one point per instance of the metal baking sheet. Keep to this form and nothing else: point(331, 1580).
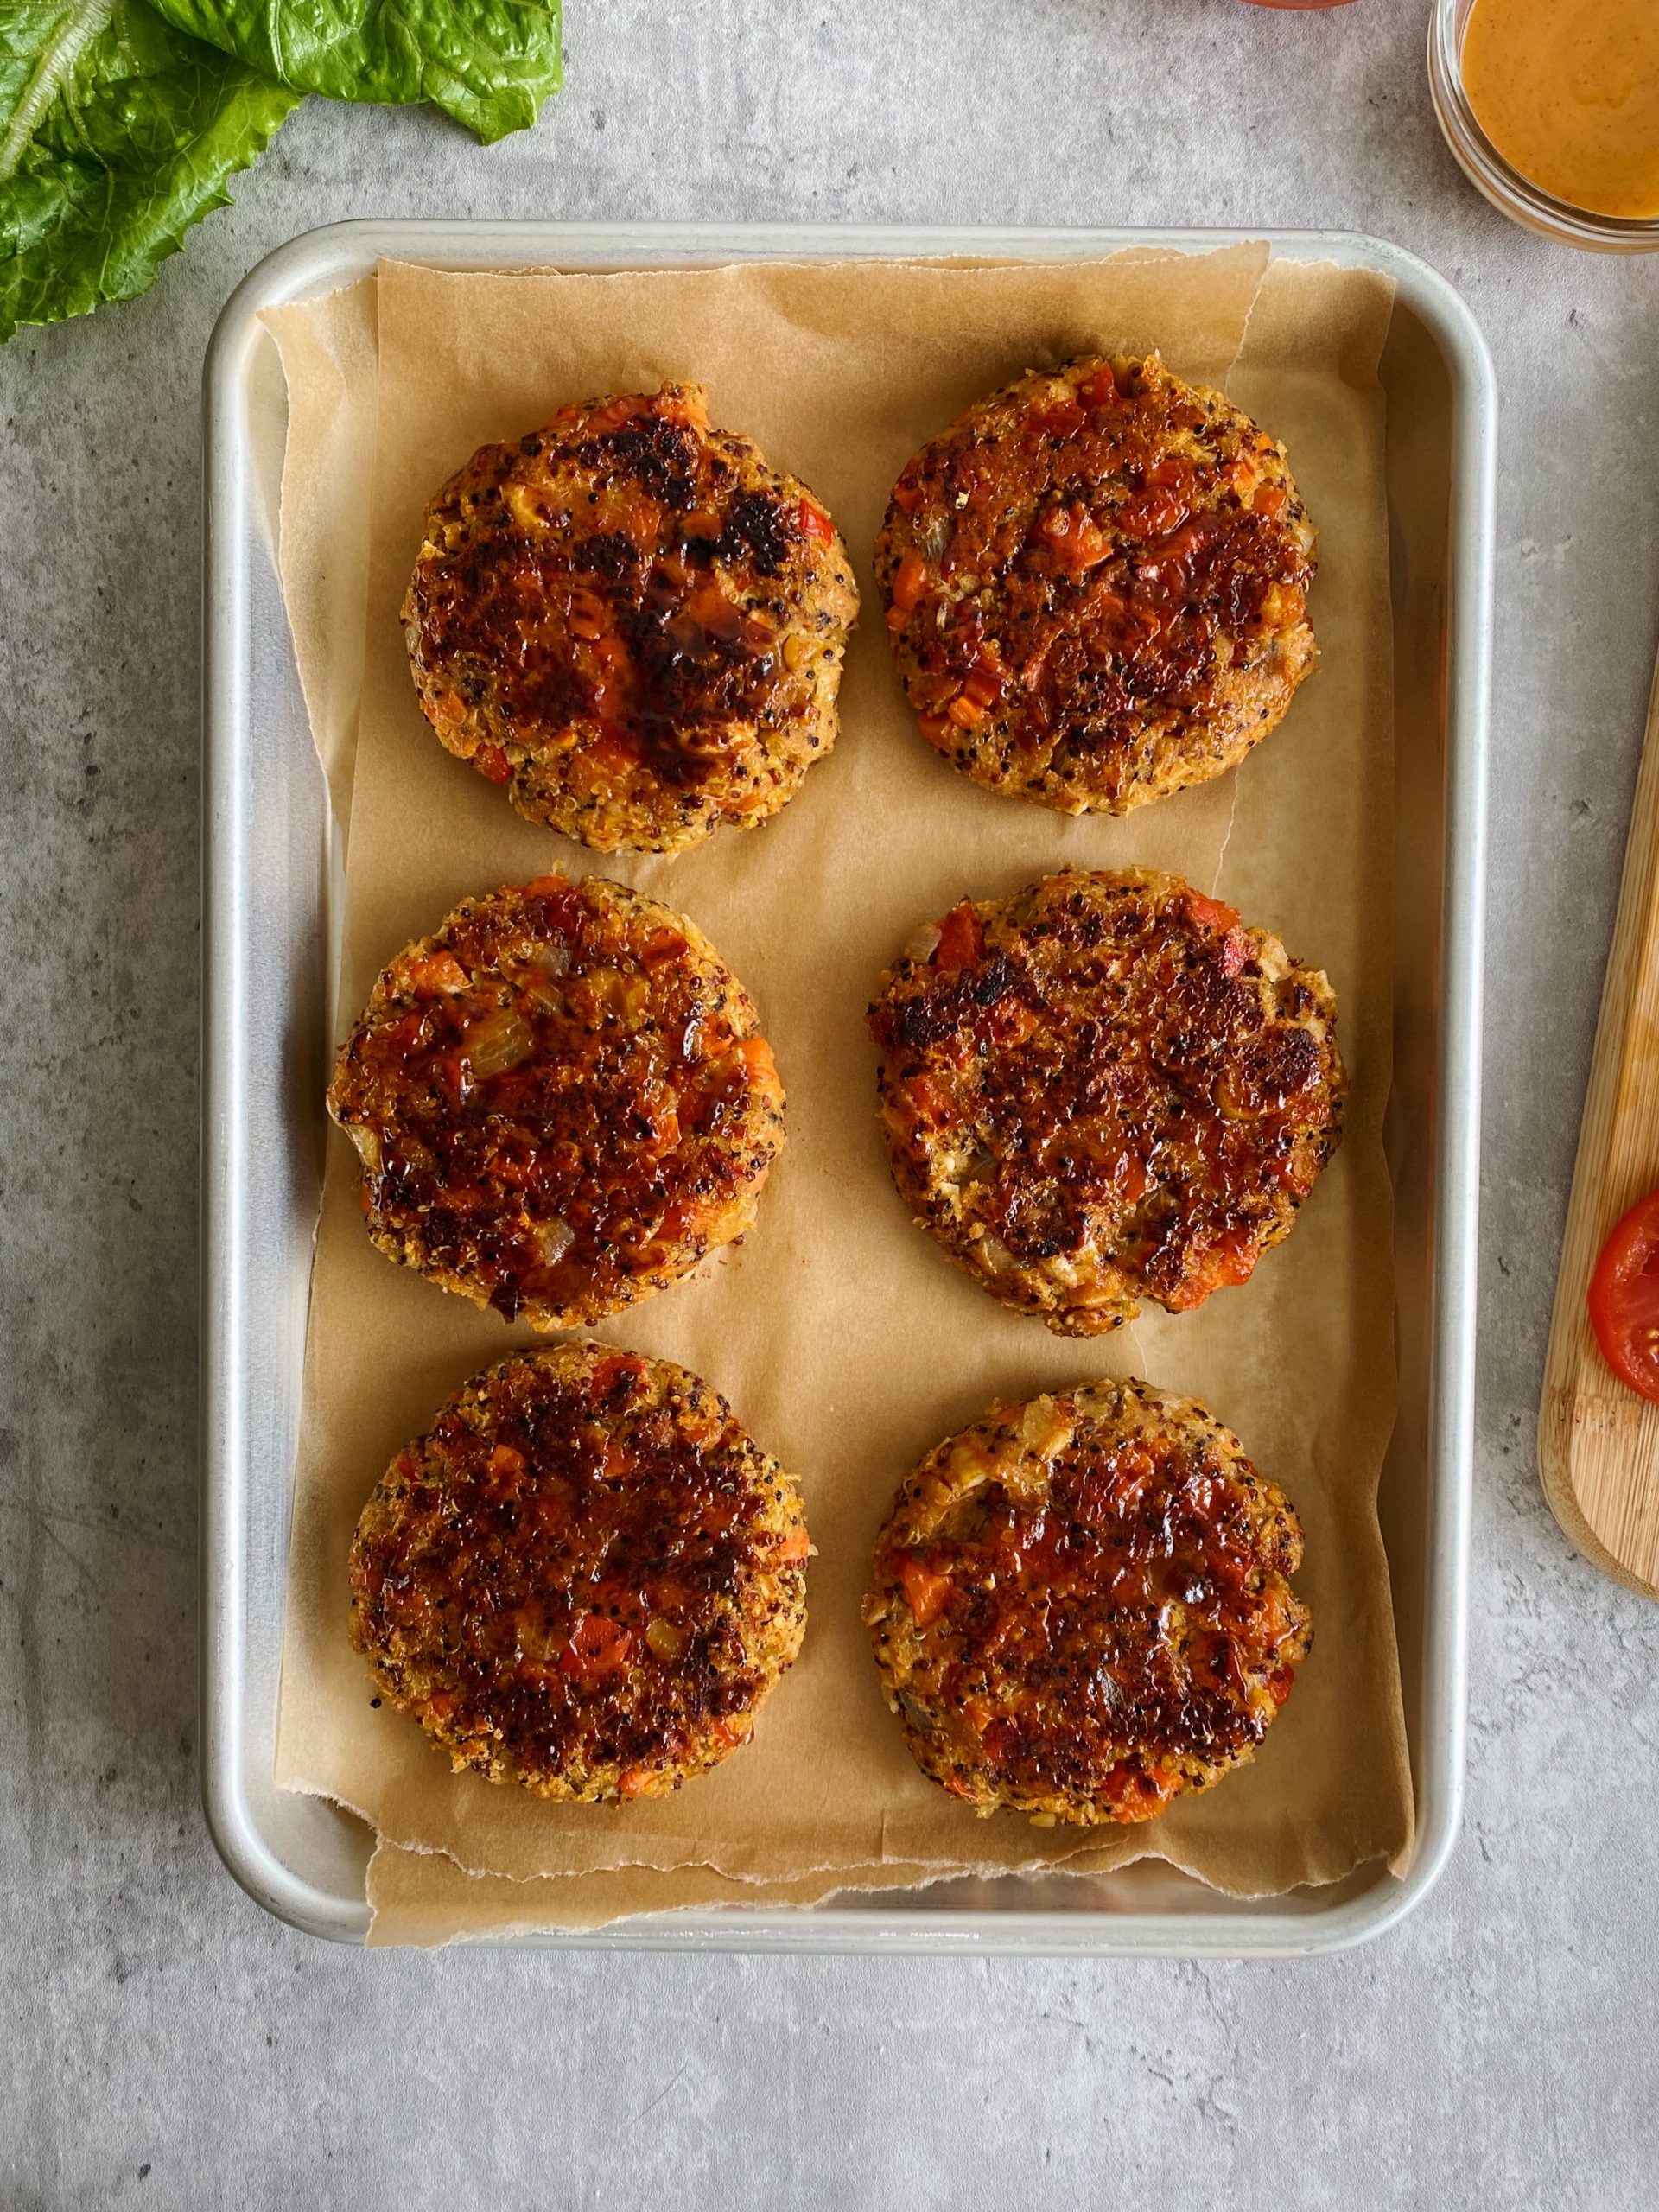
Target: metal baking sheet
point(271, 905)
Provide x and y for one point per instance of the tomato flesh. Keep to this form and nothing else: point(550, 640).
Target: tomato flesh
point(1625, 1297)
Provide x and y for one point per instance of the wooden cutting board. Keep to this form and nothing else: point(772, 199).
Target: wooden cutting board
point(1598, 1441)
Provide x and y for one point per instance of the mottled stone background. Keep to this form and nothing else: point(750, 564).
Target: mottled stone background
point(166, 2043)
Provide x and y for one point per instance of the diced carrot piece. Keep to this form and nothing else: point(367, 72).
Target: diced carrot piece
point(926, 1591)
point(614, 413)
point(816, 524)
point(610, 1367)
point(796, 1545)
point(910, 582)
point(491, 761)
point(754, 1055)
point(1064, 419)
point(1133, 1795)
point(598, 1645)
point(1294, 1174)
point(984, 683)
point(435, 974)
point(1074, 536)
point(926, 1098)
point(962, 938)
point(1209, 913)
point(681, 407)
point(1224, 1265)
point(1131, 1179)
point(1149, 513)
point(585, 617)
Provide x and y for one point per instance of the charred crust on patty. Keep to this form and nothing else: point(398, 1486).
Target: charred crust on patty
point(1096, 586)
point(1103, 1089)
point(559, 1100)
point(631, 622)
point(1080, 1607)
point(584, 1578)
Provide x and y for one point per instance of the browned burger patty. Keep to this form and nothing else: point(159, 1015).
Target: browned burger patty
point(1103, 1089)
point(560, 1101)
point(631, 622)
point(1079, 1606)
point(1095, 583)
point(584, 1578)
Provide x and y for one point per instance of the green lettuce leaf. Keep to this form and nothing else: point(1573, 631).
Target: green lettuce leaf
point(489, 63)
point(115, 135)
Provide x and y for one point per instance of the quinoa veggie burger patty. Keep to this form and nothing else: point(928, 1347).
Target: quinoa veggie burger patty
point(560, 1101)
point(631, 622)
point(1103, 1089)
point(1079, 1606)
point(1096, 585)
point(584, 1578)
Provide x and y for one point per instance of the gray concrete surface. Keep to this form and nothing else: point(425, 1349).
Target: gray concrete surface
point(165, 2044)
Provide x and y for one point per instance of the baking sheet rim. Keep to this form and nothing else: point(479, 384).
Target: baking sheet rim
point(322, 260)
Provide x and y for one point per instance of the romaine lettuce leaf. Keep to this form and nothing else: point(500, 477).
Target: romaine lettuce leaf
point(489, 63)
point(115, 135)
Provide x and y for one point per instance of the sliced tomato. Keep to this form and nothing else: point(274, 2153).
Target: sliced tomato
point(1625, 1297)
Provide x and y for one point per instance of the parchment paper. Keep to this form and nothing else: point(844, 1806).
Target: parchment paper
point(424, 1898)
point(845, 1341)
point(330, 359)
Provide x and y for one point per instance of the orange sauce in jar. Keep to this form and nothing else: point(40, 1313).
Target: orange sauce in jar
point(1568, 93)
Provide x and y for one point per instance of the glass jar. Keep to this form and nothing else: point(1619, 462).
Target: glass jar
point(1493, 173)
